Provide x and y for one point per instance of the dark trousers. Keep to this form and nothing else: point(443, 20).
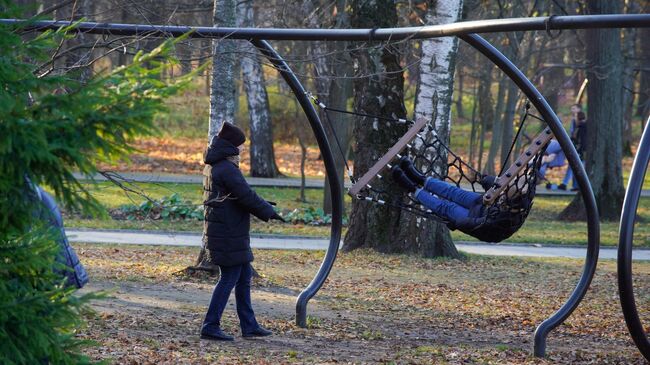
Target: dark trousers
point(449, 201)
point(238, 277)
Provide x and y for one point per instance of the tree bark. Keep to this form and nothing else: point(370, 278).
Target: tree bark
point(392, 230)
point(459, 93)
point(340, 91)
point(604, 94)
point(262, 156)
point(380, 91)
point(643, 104)
point(222, 90)
point(497, 128)
point(485, 104)
point(433, 100)
point(629, 56)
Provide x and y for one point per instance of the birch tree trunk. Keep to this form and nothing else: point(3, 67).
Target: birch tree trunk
point(427, 237)
point(261, 132)
point(222, 90)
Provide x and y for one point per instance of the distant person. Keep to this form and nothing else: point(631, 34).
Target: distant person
point(229, 203)
point(579, 138)
point(553, 157)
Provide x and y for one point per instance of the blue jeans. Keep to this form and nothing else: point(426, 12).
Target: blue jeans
point(238, 277)
point(456, 204)
point(570, 177)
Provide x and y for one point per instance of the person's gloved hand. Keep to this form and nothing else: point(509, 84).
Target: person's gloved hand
point(277, 217)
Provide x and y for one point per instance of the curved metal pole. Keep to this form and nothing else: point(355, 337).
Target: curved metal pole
point(381, 34)
point(330, 169)
point(625, 237)
point(593, 224)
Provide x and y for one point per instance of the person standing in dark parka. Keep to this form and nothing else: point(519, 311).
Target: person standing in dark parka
point(226, 232)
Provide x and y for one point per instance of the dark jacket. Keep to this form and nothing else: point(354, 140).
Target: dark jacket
point(229, 201)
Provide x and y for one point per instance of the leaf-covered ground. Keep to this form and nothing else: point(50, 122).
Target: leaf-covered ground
point(374, 309)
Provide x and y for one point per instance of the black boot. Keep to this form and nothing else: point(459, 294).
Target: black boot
point(403, 180)
point(258, 332)
point(411, 172)
point(216, 335)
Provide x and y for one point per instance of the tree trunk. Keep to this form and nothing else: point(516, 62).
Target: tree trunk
point(629, 56)
point(384, 229)
point(497, 128)
point(603, 152)
point(459, 92)
point(474, 139)
point(77, 61)
point(643, 105)
point(222, 90)
point(379, 91)
point(340, 91)
point(485, 106)
point(508, 120)
point(433, 100)
point(262, 156)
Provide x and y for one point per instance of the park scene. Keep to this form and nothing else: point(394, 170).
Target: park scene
point(324, 182)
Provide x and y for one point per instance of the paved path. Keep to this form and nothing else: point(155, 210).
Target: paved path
point(306, 243)
point(160, 177)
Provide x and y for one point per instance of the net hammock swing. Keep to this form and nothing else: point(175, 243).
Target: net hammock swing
point(507, 199)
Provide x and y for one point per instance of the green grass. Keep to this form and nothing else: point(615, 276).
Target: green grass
point(541, 226)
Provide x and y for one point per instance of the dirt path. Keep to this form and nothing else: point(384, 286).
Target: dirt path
point(373, 309)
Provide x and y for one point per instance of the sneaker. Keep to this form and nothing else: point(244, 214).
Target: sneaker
point(403, 180)
point(258, 332)
point(549, 186)
point(561, 187)
point(411, 172)
point(216, 335)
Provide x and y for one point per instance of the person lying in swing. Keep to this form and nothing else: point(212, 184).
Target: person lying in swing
point(464, 210)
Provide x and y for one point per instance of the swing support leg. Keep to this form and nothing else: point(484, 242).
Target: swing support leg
point(593, 224)
point(336, 189)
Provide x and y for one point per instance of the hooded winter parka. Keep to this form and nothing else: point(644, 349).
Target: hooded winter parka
point(229, 201)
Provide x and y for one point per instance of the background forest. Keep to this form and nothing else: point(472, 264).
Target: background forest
point(480, 117)
point(77, 105)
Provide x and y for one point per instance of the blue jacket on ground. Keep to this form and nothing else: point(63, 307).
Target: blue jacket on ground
point(76, 274)
point(229, 201)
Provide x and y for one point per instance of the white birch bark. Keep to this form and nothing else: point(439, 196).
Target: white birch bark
point(433, 101)
point(437, 70)
point(222, 89)
point(261, 149)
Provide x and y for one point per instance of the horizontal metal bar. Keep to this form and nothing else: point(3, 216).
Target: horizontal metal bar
point(381, 34)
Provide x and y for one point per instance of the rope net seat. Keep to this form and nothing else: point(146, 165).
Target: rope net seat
point(507, 198)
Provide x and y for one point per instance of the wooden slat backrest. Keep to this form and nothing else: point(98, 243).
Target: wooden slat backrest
point(385, 159)
point(504, 180)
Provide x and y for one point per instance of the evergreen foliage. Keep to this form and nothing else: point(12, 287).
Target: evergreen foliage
point(50, 126)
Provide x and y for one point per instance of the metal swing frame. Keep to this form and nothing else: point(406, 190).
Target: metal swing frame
point(468, 32)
